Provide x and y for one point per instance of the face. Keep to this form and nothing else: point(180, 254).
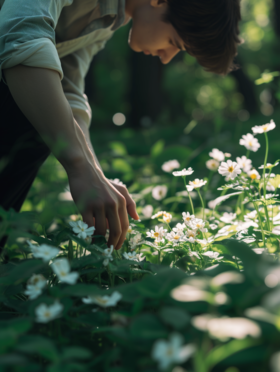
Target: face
point(149, 34)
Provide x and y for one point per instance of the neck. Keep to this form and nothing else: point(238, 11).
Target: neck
point(132, 5)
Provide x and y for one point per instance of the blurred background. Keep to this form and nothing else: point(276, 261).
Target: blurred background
point(146, 113)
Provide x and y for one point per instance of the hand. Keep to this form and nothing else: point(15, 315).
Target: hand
point(96, 198)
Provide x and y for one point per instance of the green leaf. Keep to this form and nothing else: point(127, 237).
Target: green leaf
point(8, 338)
point(175, 317)
point(40, 345)
point(120, 165)
point(180, 153)
point(222, 352)
point(118, 148)
point(157, 148)
point(147, 326)
point(81, 290)
point(160, 285)
point(275, 182)
point(242, 250)
point(12, 359)
point(76, 352)
point(24, 270)
point(18, 325)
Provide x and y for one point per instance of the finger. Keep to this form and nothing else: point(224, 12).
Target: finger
point(88, 218)
point(114, 227)
point(124, 224)
point(100, 222)
point(131, 208)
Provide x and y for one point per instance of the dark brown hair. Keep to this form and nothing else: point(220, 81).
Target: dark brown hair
point(209, 29)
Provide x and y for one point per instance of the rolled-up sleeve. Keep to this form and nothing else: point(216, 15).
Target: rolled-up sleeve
point(75, 67)
point(27, 33)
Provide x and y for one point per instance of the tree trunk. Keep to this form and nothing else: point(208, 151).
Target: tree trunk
point(145, 91)
point(246, 88)
point(277, 17)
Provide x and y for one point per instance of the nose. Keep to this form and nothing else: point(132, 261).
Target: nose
point(166, 55)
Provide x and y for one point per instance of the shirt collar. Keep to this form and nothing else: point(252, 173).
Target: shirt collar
point(113, 7)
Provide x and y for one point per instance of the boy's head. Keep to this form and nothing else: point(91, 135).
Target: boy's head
point(206, 29)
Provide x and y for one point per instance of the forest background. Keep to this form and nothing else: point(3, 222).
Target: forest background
point(145, 113)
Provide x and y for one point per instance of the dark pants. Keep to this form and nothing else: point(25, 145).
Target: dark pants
point(22, 152)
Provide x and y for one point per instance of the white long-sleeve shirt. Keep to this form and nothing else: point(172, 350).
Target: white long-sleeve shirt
point(61, 35)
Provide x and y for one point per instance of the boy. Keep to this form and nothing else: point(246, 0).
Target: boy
point(46, 47)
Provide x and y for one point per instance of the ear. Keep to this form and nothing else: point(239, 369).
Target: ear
point(157, 3)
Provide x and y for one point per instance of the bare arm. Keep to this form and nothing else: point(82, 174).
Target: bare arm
point(39, 95)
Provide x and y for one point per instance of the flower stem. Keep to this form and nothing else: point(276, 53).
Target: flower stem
point(70, 250)
point(265, 161)
point(260, 221)
point(264, 183)
point(201, 202)
point(184, 178)
point(247, 154)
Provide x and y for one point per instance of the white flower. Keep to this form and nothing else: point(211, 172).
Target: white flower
point(268, 165)
point(158, 214)
point(224, 328)
point(88, 239)
point(158, 234)
point(179, 228)
point(167, 217)
point(147, 211)
point(254, 174)
point(197, 223)
point(217, 155)
point(191, 235)
point(170, 352)
point(174, 237)
point(213, 226)
point(159, 192)
point(130, 230)
point(212, 164)
point(228, 217)
point(44, 251)
point(206, 241)
point(184, 172)
point(103, 301)
point(61, 268)
point(191, 254)
point(229, 169)
point(276, 230)
point(107, 253)
point(35, 285)
point(46, 313)
point(187, 217)
point(135, 241)
point(251, 215)
point(244, 163)
point(116, 181)
point(269, 187)
point(212, 255)
point(195, 184)
point(130, 255)
point(227, 155)
point(264, 128)
point(140, 257)
point(82, 229)
point(250, 142)
point(170, 165)
point(241, 187)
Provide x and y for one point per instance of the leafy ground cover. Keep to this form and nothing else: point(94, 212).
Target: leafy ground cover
point(195, 287)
